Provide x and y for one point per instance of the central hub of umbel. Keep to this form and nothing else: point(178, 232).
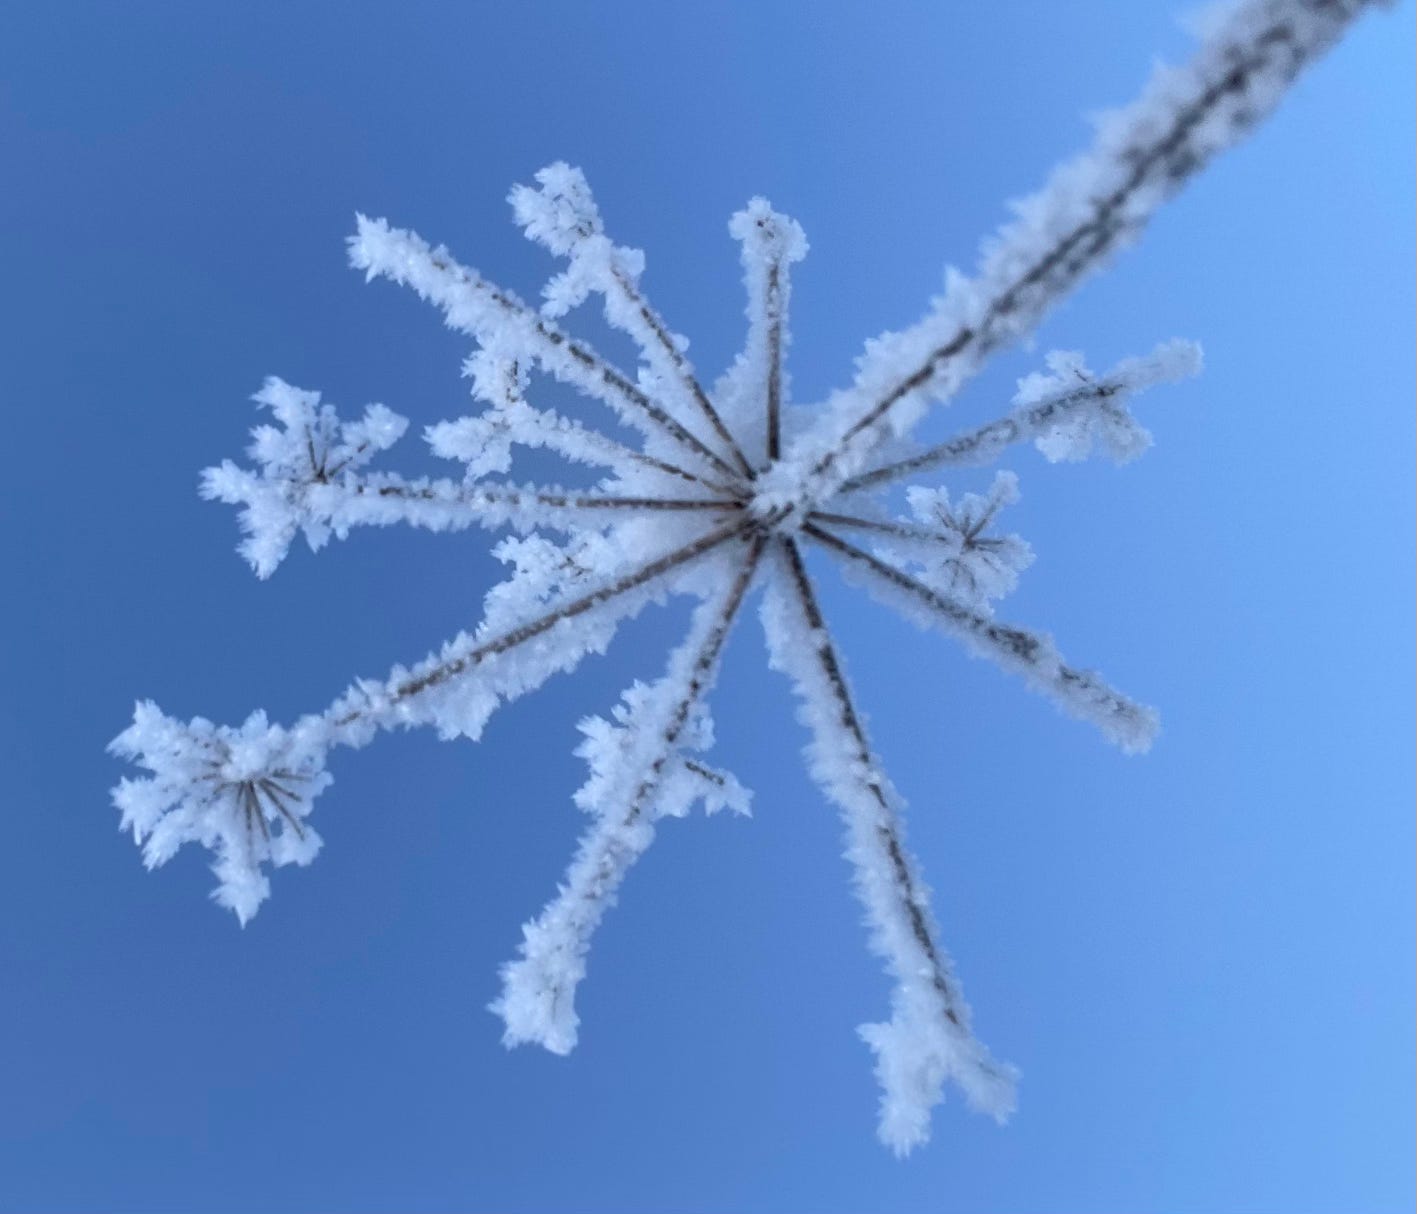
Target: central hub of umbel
point(778, 501)
point(777, 519)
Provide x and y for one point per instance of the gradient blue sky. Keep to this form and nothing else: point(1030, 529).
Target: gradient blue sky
point(1201, 960)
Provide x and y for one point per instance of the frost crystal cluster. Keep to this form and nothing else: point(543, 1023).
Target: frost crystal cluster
point(713, 490)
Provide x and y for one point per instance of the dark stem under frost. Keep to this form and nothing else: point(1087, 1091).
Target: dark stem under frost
point(984, 443)
point(453, 667)
point(682, 370)
point(887, 830)
point(1164, 162)
point(1078, 692)
point(773, 310)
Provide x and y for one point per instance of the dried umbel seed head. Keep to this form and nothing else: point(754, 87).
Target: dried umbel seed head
point(714, 492)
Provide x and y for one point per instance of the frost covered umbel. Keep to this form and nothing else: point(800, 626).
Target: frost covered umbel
point(714, 490)
point(244, 792)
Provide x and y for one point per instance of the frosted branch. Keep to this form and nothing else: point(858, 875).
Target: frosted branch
point(501, 321)
point(508, 664)
point(444, 505)
point(770, 243)
point(306, 481)
point(484, 443)
point(626, 792)
point(1063, 412)
point(1089, 207)
point(928, 1038)
point(563, 216)
point(951, 544)
point(1079, 693)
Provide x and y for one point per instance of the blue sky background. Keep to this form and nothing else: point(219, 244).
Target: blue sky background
point(1201, 959)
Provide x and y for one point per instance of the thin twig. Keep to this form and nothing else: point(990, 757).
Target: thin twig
point(552, 946)
point(682, 370)
point(457, 285)
point(772, 308)
point(1165, 162)
point(1080, 692)
point(479, 653)
point(447, 493)
point(980, 445)
point(893, 527)
point(887, 829)
point(558, 428)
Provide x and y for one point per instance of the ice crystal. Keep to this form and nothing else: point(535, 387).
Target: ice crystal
point(716, 497)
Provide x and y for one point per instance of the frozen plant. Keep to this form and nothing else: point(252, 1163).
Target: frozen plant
point(714, 495)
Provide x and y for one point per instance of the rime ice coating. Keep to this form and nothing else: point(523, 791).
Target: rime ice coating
point(245, 793)
point(1089, 208)
point(715, 493)
point(928, 1038)
point(639, 771)
point(303, 463)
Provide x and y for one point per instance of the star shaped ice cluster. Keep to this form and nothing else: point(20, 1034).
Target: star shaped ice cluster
point(714, 490)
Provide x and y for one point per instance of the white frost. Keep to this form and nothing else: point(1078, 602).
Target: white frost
point(710, 493)
point(244, 792)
